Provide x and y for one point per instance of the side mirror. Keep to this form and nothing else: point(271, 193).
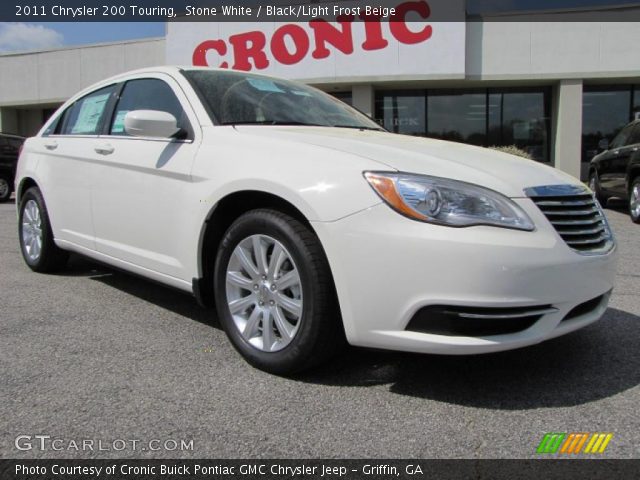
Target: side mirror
point(603, 144)
point(150, 123)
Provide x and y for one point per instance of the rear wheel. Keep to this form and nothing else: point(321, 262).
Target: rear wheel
point(594, 185)
point(274, 293)
point(634, 200)
point(5, 189)
point(36, 237)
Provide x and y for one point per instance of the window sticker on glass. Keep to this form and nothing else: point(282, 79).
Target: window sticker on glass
point(118, 122)
point(90, 113)
point(301, 93)
point(264, 85)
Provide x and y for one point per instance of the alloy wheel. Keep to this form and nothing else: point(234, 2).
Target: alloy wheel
point(32, 230)
point(264, 293)
point(634, 201)
point(4, 188)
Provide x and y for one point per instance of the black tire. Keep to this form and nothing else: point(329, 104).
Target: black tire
point(635, 218)
point(5, 188)
point(51, 258)
point(594, 184)
point(320, 334)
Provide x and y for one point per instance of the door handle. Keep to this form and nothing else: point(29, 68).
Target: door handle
point(105, 149)
point(52, 145)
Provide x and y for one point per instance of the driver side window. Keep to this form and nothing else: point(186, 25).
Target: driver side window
point(147, 94)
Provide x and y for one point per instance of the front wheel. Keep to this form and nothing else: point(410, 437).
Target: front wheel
point(38, 248)
point(634, 201)
point(274, 293)
point(5, 189)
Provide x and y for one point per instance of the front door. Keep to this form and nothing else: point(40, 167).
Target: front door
point(141, 184)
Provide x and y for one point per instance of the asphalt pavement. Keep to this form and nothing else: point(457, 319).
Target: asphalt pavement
point(99, 355)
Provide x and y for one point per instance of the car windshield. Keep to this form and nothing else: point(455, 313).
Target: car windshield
point(236, 98)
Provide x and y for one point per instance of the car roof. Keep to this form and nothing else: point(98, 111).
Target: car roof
point(171, 70)
point(174, 69)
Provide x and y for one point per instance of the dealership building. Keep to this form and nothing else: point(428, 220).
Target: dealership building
point(553, 85)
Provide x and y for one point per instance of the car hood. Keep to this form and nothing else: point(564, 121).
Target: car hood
point(502, 172)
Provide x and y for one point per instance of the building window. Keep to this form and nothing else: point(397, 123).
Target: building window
point(605, 110)
point(458, 116)
point(483, 117)
point(402, 112)
point(520, 118)
point(346, 97)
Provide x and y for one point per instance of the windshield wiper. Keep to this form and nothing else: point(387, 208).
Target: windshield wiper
point(273, 122)
point(294, 123)
point(360, 127)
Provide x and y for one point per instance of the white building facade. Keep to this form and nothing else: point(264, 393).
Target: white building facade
point(553, 88)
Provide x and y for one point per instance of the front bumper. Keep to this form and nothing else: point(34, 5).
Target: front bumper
point(387, 268)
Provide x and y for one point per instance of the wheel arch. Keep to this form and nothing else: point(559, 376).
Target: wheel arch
point(25, 184)
point(632, 175)
point(220, 218)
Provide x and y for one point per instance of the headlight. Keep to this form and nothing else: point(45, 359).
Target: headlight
point(447, 202)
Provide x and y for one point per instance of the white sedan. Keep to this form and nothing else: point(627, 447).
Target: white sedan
point(306, 224)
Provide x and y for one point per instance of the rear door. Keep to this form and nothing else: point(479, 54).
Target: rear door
point(66, 152)
point(613, 166)
point(7, 157)
point(141, 187)
point(13, 152)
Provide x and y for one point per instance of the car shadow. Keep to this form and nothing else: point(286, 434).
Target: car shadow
point(168, 298)
point(595, 363)
point(617, 204)
point(592, 364)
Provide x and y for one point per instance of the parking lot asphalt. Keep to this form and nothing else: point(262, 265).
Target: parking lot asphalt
point(97, 354)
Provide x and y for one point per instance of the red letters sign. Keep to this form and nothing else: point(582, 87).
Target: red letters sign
point(291, 43)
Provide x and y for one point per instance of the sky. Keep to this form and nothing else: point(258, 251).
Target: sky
point(18, 37)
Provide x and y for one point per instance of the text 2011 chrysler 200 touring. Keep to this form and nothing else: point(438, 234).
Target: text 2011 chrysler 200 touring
point(305, 223)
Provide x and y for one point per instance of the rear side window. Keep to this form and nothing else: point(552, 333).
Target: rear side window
point(52, 129)
point(634, 138)
point(86, 116)
point(147, 94)
point(622, 138)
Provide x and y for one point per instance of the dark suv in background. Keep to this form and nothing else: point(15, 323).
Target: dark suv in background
point(9, 151)
point(616, 171)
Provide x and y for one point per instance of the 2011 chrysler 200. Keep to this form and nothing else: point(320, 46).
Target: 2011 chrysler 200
point(305, 223)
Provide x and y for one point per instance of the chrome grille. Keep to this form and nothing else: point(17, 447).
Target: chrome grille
point(576, 216)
